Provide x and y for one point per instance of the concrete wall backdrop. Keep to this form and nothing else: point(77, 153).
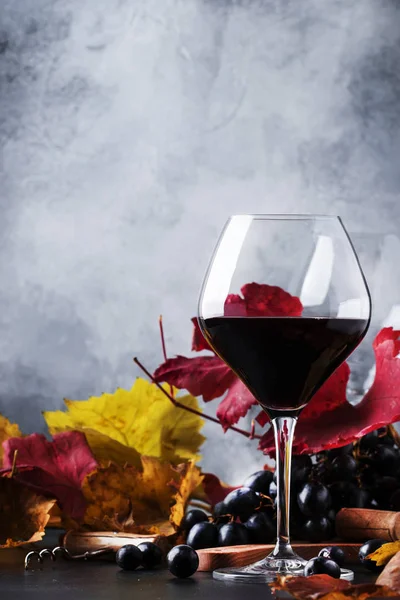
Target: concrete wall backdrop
point(131, 129)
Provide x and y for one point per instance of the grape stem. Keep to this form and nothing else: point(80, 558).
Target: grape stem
point(178, 404)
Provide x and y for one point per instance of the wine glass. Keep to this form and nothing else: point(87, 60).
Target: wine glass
point(284, 302)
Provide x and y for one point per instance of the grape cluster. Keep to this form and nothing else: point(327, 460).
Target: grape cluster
point(361, 475)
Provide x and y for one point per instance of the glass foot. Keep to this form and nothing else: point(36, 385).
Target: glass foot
point(266, 570)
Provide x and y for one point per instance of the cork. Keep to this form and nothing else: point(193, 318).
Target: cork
point(361, 524)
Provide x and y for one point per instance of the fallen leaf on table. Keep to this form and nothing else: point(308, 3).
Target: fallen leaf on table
point(385, 553)
point(324, 587)
point(151, 500)
point(142, 418)
point(390, 575)
point(57, 467)
point(24, 514)
point(307, 588)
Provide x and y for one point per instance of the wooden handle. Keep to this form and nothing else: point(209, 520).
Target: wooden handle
point(77, 542)
point(362, 524)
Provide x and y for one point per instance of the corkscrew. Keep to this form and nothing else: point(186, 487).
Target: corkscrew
point(61, 552)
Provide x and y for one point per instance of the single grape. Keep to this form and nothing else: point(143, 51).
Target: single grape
point(301, 468)
point(128, 557)
point(346, 494)
point(151, 555)
point(203, 535)
point(334, 553)
point(340, 451)
point(322, 566)
point(272, 490)
point(331, 514)
point(314, 499)
point(242, 503)
point(343, 468)
point(384, 489)
point(260, 529)
point(192, 517)
point(259, 482)
point(317, 529)
point(394, 502)
point(233, 534)
point(368, 475)
point(220, 511)
point(385, 436)
point(385, 459)
point(182, 561)
point(369, 441)
point(367, 549)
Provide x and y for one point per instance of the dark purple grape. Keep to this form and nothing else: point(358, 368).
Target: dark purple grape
point(322, 566)
point(272, 490)
point(301, 468)
point(385, 459)
point(128, 557)
point(242, 503)
point(343, 468)
point(259, 482)
point(317, 529)
point(369, 441)
point(203, 535)
point(384, 489)
point(394, 502)
point(151, 555)
point(367, 549)
point(182, 561)
point(314, 499)
point(347, 495)
point(233, 534)
point(219, 510)
point(192, 517)
point(260, 528)
point(334, 553)
point(385, 436)
point(340, 451)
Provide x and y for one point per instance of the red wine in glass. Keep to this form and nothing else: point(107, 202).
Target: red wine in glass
point(283, 357)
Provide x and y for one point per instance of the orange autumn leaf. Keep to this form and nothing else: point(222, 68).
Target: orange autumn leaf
point(324, 587)
point(150, 500)
point(385, 553)
point(24, 514)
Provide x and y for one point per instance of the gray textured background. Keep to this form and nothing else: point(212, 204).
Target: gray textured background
point(130, 130)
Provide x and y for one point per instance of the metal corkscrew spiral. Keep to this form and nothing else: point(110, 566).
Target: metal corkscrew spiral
point(59, 551)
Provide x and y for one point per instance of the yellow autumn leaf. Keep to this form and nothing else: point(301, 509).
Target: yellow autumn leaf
point(142, 418)
point(7, 430)
point(107, 450)
point(150, 500)
point(385, 553)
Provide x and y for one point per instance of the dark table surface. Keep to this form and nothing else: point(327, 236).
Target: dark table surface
point(97, 580)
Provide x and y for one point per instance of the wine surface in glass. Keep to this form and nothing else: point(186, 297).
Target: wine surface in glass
point(283, 360)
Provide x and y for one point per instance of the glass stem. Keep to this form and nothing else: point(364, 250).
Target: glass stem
point(283, 431)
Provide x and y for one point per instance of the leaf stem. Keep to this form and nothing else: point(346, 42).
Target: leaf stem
point(164, 349)
point(14, 465)
point(178, 404)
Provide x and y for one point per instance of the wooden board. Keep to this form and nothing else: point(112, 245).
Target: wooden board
point(240, 556)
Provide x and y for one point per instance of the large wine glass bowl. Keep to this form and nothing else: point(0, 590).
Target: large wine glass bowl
point(284, 303)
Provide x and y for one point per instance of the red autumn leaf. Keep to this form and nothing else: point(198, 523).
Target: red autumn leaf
point(209, 376)
point(58, 467)
point(307, 588)
point(261, 300)
point(214, 489)
point(199, 342)
point(345, 423)
point(206, 376)
point(236, 404)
